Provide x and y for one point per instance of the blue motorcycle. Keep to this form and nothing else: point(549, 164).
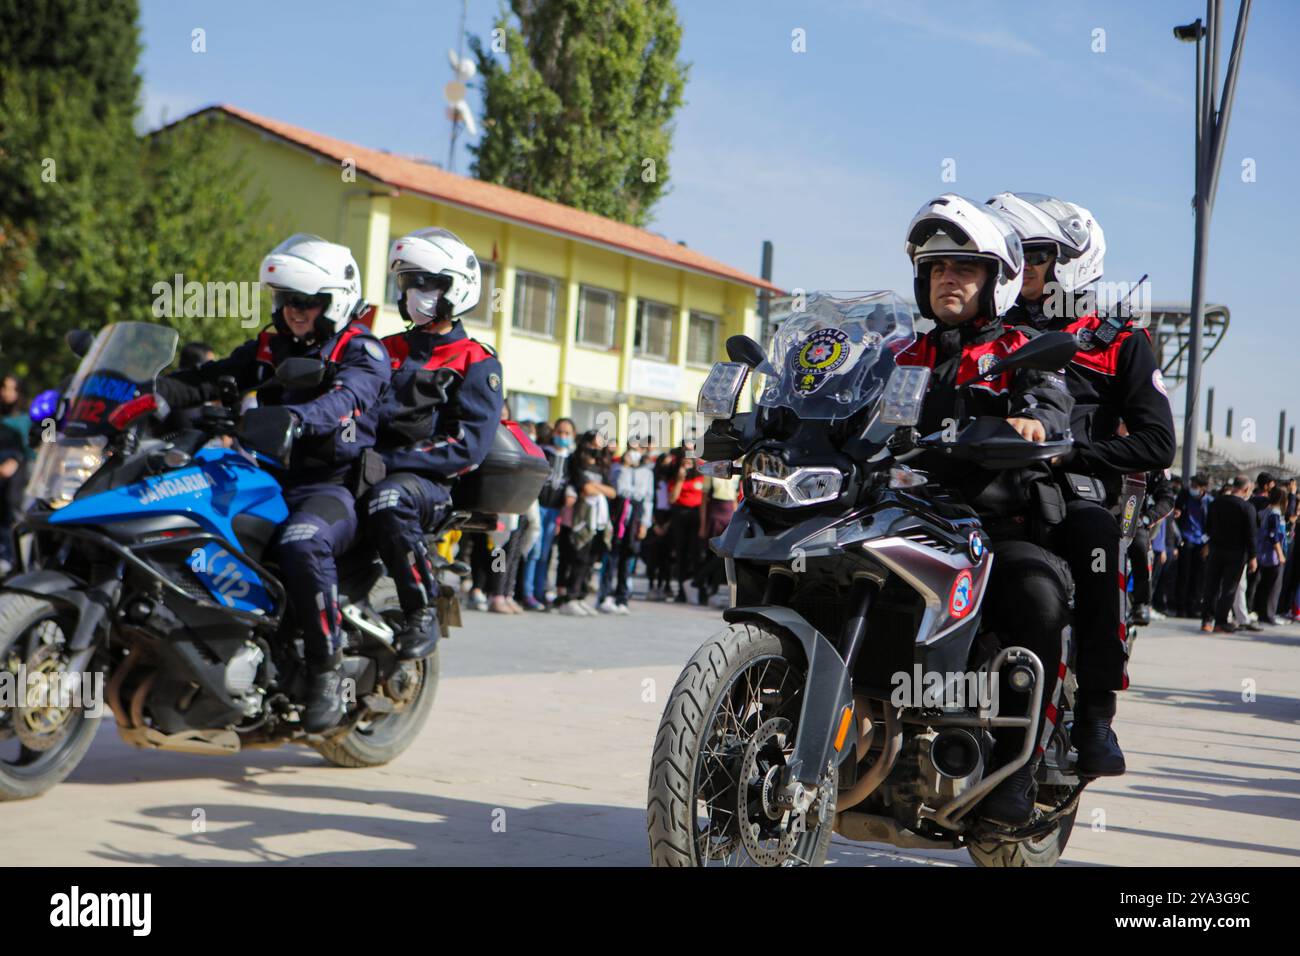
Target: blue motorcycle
point(145, 584)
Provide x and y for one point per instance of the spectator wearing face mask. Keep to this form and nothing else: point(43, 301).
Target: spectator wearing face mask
point(685, 496)
point(631, 513)
point(557, 444)
point(584, 524)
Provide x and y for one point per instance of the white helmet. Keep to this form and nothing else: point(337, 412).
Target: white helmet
point(434, 252)
point(952, 225)
point(307, 265)
point(1080, 243)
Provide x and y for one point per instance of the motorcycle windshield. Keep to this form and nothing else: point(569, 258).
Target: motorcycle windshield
point(825, 359)
point(122, 364)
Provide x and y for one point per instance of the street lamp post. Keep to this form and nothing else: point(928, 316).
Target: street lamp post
point(1211, 134)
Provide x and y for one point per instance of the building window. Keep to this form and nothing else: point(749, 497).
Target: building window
point(535, 297)
point(481, 314)
point(597, 317)
point(654, 329)
point(526, 407)
point(594, 416)
point(701, 339)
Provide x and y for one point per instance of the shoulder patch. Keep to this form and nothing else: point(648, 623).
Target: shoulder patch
point(1158, 380)
point(494, 382)
point(374, 350)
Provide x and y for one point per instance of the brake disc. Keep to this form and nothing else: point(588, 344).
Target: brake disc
point(785, 826)
point(42, 718)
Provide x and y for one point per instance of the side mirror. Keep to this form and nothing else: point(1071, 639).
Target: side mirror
point(743, 349)
point(301, 372)
point(79, 341)
point(1045, 353)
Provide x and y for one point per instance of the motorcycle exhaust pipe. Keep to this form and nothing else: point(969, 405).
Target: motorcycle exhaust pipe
point(955, 753)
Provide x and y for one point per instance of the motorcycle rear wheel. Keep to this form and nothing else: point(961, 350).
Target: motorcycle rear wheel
point(730, 722)
point(381, 740)
point(1044, 851)
point(39, 745)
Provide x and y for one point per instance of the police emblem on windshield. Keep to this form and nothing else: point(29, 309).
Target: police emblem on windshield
point(821, 354)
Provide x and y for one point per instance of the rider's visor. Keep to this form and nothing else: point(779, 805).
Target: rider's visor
point(423, 281)
point(300, 300)
point(1039, 255)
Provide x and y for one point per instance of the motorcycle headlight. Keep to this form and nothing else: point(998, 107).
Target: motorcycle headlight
point(774, 482)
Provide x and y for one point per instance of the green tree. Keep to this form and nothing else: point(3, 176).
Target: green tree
point(580, 111)
point(92, 214)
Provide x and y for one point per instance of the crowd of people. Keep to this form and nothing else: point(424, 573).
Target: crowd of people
point(1228, 556)
point(598, 517)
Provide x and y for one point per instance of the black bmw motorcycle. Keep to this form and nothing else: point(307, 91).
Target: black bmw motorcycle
point(854, 688)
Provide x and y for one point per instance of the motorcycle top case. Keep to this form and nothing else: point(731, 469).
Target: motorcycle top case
point(510, 478)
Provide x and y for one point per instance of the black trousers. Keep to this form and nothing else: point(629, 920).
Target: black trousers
point(1222, 575)
point(1089, 540)
point(1265, 599)
point(1028, 605)
point(1191, 580)
point(685, 533)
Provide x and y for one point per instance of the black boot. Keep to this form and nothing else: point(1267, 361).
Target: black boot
point(325, 703)
point(1092, 736)
point(1012, 801)
point(1142, 615)
point(418, 636)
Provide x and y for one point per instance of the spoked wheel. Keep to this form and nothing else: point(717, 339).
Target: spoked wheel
point(727, 733)
point(45, 729)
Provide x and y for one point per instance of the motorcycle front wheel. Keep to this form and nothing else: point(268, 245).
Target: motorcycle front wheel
point(46, 722)
point(727, 731)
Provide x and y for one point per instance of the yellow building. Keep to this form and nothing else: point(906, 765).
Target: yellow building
point(592, 319)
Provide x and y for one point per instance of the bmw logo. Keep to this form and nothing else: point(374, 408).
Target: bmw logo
point(975, 547)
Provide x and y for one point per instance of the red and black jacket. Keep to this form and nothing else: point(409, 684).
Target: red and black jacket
point(1111, 381)
point(958, 354)
point(440, 441)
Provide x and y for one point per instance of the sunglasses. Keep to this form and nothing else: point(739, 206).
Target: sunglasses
point(299, 300)
point(423, 281)
point(1039, 256)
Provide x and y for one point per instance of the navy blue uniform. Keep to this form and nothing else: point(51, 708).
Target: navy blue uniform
point(425, 445)
point(339, 419)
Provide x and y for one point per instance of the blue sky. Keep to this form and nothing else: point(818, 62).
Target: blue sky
point(828, 152)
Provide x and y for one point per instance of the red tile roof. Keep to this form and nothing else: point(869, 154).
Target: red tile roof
point(490, 199)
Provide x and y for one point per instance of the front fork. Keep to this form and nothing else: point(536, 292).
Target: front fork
point(827, 711)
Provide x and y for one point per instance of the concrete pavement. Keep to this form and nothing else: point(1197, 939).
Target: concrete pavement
point(537, 751)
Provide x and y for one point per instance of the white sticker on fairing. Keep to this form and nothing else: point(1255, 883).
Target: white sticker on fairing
point(1158, 381)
